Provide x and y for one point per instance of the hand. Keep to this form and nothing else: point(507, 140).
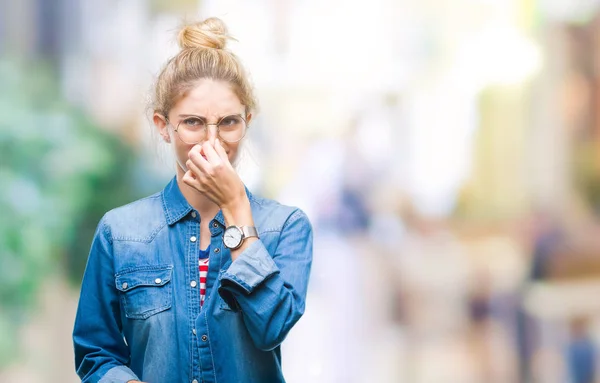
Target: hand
point(211, 173)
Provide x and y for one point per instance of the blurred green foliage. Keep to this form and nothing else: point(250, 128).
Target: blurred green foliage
point(174, 6)
point(586, 172)
point(58, 174)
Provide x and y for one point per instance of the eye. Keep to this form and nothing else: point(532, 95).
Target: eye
point(231, 120)
point(193, 122)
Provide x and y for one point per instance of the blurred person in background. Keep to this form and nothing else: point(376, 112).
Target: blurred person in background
point(581, 352)
point(202, 281)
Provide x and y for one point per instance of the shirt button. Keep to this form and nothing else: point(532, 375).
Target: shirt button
point(193, 284)
point(204, 338)
point(215, 225)
point(193, 238)
point(194, 331)
point(157, 280)
point(124, 285)
point(217, 250)
point(194, 214)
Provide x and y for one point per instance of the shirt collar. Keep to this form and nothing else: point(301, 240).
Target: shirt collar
point(176, 206)
point(174, 203)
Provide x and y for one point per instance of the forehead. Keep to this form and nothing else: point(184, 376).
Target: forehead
point(209, 98)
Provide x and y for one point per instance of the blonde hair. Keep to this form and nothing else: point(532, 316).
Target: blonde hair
point(203, 55)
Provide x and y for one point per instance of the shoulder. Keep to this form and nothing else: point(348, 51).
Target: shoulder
point(140, 220)
point(271, 215)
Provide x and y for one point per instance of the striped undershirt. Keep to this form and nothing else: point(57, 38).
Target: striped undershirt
point(203, 268)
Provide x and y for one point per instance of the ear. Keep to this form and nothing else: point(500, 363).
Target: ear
point(161, 124)
point(248, 118)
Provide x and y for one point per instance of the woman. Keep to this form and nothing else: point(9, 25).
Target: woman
point(202, 281)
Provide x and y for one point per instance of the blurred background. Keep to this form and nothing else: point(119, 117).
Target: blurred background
point(445, 151)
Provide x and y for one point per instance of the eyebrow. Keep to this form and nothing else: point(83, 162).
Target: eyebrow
point(205, 119)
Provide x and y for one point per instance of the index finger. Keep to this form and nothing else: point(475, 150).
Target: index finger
point(211, 155)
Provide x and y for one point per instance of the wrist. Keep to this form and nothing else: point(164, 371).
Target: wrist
point(238, 212)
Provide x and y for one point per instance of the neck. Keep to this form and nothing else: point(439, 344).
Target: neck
point(203, 205)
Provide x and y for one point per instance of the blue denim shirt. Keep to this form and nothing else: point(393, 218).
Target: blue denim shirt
point(139, 314)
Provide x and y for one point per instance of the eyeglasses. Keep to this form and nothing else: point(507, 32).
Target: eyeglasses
point(193, 129)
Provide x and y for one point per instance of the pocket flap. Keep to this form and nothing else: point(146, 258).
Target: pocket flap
point(143, 276)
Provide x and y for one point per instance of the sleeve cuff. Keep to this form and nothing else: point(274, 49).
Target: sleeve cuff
point(119, 374)
point(250, 268)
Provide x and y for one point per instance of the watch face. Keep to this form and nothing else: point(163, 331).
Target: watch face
point(232, 237)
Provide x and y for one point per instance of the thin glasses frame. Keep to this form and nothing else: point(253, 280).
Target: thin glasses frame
point(206, 125)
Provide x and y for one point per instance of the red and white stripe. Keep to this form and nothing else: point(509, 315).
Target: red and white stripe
point(203, 267)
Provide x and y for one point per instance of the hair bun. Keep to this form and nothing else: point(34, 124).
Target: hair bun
point(210, 33)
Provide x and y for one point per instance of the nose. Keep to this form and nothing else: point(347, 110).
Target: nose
point(211, 133)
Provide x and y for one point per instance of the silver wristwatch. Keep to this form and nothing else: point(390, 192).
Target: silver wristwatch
point(234, 236)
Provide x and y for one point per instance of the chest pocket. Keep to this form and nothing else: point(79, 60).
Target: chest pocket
point(145, 290)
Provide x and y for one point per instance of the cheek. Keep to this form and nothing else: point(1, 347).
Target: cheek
point(232, 152)
point(182, 149)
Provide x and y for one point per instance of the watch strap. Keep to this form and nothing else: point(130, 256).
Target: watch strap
point(249, 231)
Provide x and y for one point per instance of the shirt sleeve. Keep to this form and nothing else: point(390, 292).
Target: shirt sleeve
point(270, 289)
point(118, 374)
point(101, 354)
